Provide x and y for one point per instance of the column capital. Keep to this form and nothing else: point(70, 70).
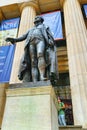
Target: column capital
point(80, 1)
point(33, 3)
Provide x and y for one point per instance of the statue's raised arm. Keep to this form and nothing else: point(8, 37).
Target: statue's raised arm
point(14, 40)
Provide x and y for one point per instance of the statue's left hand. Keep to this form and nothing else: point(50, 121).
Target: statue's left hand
point(12, 40)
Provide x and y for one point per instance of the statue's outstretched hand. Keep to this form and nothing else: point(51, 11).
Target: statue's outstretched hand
point(9, 39)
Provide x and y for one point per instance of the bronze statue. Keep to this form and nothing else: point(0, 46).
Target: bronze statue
point(39, 61)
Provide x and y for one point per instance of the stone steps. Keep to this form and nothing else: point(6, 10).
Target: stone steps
point(70, 127)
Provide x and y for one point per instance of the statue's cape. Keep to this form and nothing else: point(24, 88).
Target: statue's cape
point(25, 64)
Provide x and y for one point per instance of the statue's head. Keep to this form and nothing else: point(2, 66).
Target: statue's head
point(38, 19)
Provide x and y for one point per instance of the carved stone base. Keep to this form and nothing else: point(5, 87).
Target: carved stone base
point(30, 108)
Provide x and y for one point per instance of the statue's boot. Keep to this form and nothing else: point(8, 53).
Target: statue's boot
point(34, 74)
point(44, 79)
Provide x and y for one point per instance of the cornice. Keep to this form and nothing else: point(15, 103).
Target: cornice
point(83, 1)
point(15, 9)
point(61, 3)
point(1, 15)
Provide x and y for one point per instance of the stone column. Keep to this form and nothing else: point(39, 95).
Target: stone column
point(76, 36)
point(27, 17)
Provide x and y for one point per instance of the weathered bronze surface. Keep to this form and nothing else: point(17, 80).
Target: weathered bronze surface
point(39, 61)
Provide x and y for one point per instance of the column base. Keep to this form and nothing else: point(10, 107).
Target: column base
point(30, 106)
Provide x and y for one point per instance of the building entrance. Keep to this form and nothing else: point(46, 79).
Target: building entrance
point(63, 91)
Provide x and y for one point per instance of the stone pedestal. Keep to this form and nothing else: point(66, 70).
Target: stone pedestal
point(3, 87)
point(30, 107)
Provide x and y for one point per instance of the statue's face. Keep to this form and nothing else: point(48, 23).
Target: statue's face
point(37, 20)
point(36, 23)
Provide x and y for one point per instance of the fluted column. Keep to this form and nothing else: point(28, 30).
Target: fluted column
point(27, 18)
point(76, 36)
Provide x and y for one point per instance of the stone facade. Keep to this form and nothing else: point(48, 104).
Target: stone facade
point(76, 40)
